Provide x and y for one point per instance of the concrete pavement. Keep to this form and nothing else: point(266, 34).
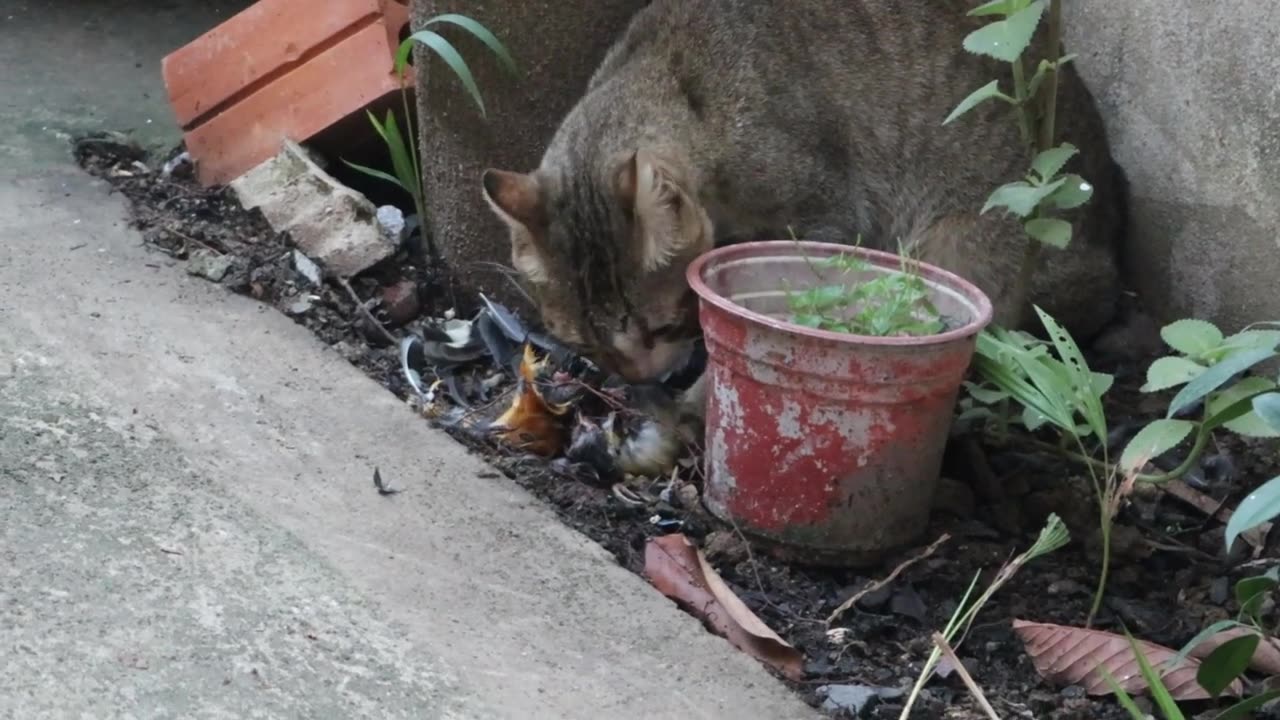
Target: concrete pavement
point(187, 523)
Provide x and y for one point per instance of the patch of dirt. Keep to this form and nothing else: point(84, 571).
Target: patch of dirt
point(1168, 578)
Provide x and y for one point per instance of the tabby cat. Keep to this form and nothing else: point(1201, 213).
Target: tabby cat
point(714, 121)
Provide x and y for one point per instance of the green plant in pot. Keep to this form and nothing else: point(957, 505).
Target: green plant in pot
point(834, 369)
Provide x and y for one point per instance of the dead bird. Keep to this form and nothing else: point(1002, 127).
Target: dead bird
point(645, 439)
point(531, 423)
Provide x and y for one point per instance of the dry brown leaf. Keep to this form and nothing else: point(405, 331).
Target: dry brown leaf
point(1266, 659)
point(531, 423)
point(681, 572)
point(1071, 656)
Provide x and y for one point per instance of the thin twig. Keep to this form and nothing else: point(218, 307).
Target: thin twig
point(976, 691)
point(382, 329)
point(835, 615)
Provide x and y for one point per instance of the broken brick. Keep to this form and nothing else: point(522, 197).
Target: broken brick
point(280, 69)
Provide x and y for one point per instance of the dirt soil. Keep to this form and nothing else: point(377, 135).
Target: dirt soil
point(1169, 575)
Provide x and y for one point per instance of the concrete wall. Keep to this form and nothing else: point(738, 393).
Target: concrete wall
point(1191, 97)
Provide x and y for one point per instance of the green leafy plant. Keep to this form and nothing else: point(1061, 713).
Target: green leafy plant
point(1045, 190)
point(887, 304)
point(1022, 383)
point(405, 162)
point(1053, 536)
point(1055, 388)
point(1207, 367)
point(1231, 658)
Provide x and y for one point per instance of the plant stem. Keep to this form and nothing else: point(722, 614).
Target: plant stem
point(1021, 291)
point(1020, 102)
point(1197, 449)
point(419, 194)
point(1105, 570)
point(1045, 140)
point(1047, 122)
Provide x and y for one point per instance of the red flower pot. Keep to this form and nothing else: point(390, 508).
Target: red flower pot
point(825, 446)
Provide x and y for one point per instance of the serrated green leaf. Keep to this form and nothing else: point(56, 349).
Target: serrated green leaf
point(1251, 591)
point(1050, 231)
point(987, 92)
point(1020, 198)
point(1006, 39)
point(1230, 405)
point(1191, 337)
point(1232, 408)
point(1227, 662)
point(1214, 377)
point(1267, 408)
point(1251, 426)
point(1050, 162)
point(1074, 192)
point(1154, 440)
point(1167, 372)
point(1245, 340)
point(1261, 505)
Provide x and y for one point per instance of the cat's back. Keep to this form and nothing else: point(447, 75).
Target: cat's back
point(823, 89)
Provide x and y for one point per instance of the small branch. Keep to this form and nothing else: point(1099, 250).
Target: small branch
point(368, 316)
point(835, 615)
point(976, 691)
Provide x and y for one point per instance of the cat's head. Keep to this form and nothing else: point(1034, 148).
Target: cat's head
point(604, 254)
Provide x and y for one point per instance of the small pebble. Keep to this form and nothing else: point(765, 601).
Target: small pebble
point(1220, 591)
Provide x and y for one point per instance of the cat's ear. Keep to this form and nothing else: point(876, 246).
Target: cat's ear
point(669, 223)
point(517, 199)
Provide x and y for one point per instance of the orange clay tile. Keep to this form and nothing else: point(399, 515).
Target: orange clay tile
point(280, 69)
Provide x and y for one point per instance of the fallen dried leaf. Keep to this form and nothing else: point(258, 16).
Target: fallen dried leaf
point(531, 423)
point(1266, 659)
point(1071, 656)
point(381, 485)
point(679, 571)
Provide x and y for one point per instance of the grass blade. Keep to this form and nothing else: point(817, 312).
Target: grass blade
point(378, 174)
point(482, 33)
point(1155, 685)
point(447, 52)
point(400, 161)
point(1125, 701)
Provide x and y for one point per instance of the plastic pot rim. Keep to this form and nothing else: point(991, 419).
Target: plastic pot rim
point(931, 273)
